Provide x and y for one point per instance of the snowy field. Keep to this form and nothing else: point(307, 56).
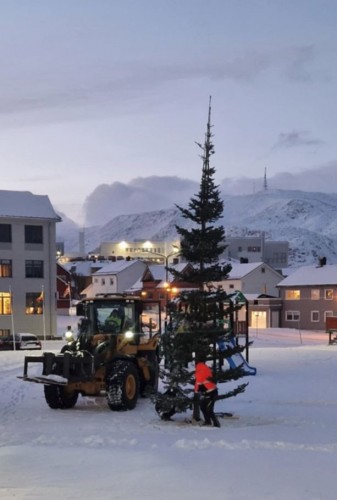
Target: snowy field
point(283, 445)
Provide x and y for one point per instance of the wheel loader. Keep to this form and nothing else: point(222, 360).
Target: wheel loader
point(115, 354)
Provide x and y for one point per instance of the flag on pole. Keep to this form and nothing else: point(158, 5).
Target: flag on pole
point(40, 298)
point(67, 291)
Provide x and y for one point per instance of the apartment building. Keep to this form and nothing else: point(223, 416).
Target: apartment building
point(27, 264)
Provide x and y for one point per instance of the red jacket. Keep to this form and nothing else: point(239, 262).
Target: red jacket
point(203, 378)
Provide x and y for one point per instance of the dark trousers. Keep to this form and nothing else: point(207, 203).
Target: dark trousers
point(207, 402)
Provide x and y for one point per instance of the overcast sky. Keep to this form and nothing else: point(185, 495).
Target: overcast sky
point(102, 91)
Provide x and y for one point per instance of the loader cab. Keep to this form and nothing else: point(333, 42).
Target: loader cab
point(113, 314)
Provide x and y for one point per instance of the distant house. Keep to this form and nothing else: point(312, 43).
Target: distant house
point(254, 277)
point(309, 296)
point(256, 280)
point(81, 275)
point(27, 264)
point(64, 289)
point(158, 284)
point(117, 277)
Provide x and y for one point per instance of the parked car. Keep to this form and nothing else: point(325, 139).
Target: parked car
point(22, 341)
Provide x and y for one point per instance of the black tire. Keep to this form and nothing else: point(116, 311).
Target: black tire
point(59, 397)
point(148, 387)
point(67, 348)
point(122, 386)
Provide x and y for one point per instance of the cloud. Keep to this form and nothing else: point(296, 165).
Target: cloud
point(145, 194)
point(322, 178)
point(299, 66)
point(142, 194)
point(295, 139)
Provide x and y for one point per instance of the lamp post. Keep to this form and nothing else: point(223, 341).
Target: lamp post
point(166, 260)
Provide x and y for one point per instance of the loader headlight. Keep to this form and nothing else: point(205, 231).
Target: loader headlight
point(129, 335)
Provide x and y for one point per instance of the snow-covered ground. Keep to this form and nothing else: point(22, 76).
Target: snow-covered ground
point(283, 444)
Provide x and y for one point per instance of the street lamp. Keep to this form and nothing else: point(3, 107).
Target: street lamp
point(166, 257)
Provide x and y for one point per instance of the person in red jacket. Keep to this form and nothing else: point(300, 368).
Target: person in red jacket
point(206, 387)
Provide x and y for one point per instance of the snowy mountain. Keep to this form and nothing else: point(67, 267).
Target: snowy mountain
point(307, 220)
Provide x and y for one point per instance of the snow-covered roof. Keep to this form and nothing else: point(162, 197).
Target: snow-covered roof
point(238, 270)
point(116, 267)
point(312, 275)
point(85, 267)
point(159, 272)
point(27, 205)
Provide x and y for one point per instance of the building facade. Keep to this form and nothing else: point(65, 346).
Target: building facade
point(27, 264)
point(151, 251)
point(257, 249)
point(309, 296)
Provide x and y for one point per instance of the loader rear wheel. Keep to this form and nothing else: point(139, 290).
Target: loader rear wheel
point(122, 386)
point(59, 397)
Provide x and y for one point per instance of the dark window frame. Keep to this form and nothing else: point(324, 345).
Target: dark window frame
point(34, 234)
point(34, 268)
point(5, 233)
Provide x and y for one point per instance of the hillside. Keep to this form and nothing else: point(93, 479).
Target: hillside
point(307, 220)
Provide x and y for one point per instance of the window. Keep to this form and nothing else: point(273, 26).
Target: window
point(5, 268)
point(293, 294)
point(293, 315)
point(327, 314)
point(103, 281)
point(4, 332)
point(328, 294)
point(34, 303)
point(34, 268)
point(33, 234)
point(5, 303)
point(263, 269)
point(315, 294)
point(111, 281)
point(314, 316)
point(5, 233)
point(254, 249)
point(231, 285)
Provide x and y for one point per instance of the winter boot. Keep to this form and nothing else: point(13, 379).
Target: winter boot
point(215, 421)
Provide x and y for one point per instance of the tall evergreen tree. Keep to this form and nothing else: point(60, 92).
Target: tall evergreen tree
point(198, 318)
point(203, 245)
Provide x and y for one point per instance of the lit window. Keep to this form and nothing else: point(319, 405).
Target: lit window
point(34, 303)
point(315, 294)
point(293, 294)
point(328, 294)
point(5, 303)
point(5, 268)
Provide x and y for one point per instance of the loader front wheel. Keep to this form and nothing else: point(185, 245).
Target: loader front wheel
point(122, 386)
point(59, 397)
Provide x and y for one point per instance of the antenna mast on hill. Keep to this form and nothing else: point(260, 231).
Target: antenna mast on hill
point(265, 186)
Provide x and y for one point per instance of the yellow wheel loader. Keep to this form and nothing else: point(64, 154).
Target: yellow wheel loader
point(115, 354)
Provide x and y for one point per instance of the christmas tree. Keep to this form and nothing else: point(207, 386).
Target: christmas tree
point(199, 320)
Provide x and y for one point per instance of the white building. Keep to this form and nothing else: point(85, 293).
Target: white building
point(156, 251)
point(27, 264)
point(253, 278)
point(117, 277)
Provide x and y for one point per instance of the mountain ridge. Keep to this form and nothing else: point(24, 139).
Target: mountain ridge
point(306, 220)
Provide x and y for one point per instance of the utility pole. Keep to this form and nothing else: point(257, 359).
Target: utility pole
point(265, 187)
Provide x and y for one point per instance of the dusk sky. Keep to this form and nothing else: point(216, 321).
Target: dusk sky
point(98, 91)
